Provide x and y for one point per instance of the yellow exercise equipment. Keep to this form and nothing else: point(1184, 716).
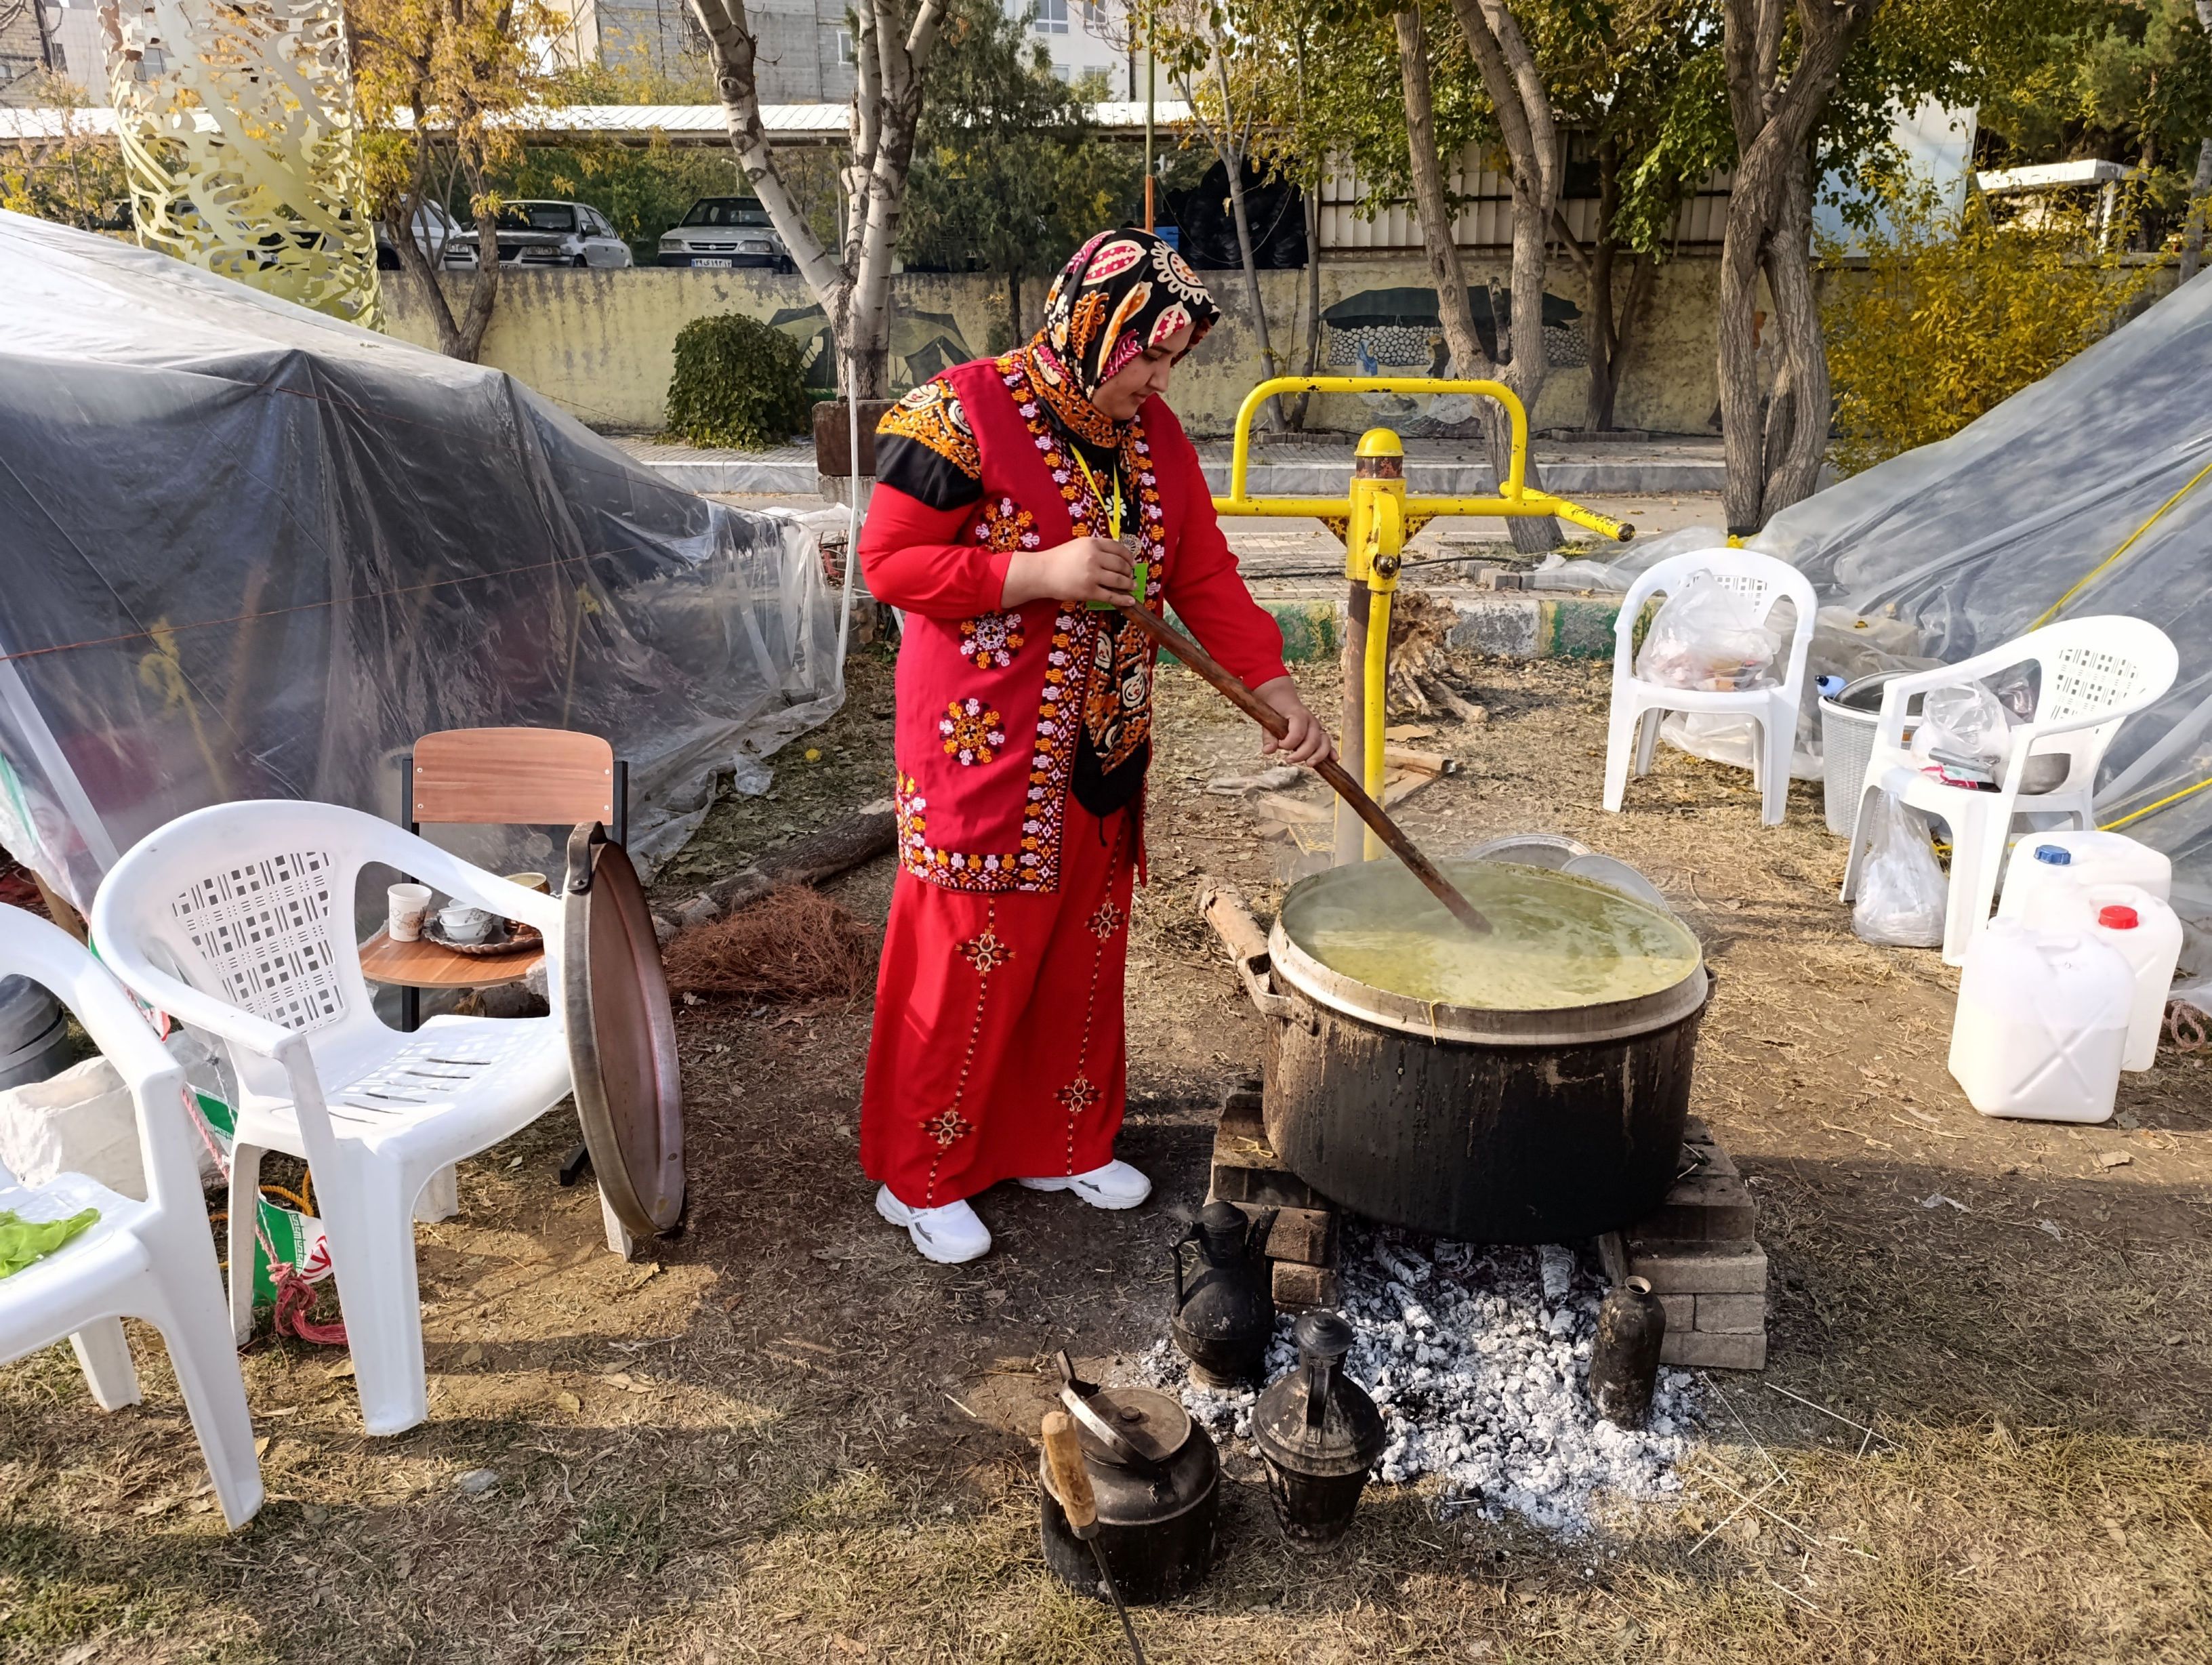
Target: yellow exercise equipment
point(1375, 518)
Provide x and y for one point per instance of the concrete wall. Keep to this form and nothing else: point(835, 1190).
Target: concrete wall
point(602, 344)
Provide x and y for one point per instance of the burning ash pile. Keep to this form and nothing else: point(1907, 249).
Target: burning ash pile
point(1476, 1357)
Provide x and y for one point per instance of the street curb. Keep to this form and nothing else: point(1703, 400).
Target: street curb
point(1519, 627)
point(1569, 479)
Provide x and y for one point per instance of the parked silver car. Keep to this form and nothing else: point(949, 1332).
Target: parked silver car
point(542, 233)
point(725, 231)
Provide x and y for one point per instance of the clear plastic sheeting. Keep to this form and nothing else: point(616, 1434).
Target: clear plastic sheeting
point(2089, 493)
point(1974, 541)
point(251, 552)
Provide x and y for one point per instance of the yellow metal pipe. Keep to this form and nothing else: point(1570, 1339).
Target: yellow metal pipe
point(1276, 385)
point(1378, 681)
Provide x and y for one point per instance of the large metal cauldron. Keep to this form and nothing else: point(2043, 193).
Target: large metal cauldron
point(1478, 1125)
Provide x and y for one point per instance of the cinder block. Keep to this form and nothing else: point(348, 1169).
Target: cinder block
point(1508, 627)
point(1730, 1315)
point(1699, 1141)
point(1299, 1287)
point(1703, 1350)
point(1305, 1236)
point(1247, 1170)
point(1612, 1255)
point(1677, 1269)
point(1702, 1209)
point(1681, 1312)
point(1242, 1107)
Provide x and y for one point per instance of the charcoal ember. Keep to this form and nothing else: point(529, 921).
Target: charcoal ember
point(1476, 1358)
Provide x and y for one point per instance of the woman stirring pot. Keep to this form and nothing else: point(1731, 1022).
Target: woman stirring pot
point(1015, 499)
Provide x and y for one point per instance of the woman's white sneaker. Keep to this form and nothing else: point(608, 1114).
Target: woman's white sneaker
point(948, 1236)
point(1117, 1185)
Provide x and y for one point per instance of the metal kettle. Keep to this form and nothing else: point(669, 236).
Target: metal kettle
point(1156, 1478)
point(1319, 1433)
point(1224, 1316)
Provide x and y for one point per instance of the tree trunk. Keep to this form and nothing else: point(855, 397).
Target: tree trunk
point(1014, 306)
point(1231, 155)
point(1304, 402)
point(1644, 268)
point(2192, 239)
point(1774, 461)
point(1796, 432)
point(1523, 108)
point(852, 286)
point(1428, 202)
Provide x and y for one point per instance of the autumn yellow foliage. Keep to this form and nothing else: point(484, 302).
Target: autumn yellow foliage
point(1953, 313)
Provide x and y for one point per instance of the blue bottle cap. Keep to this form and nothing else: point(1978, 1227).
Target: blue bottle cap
point(2057, 856)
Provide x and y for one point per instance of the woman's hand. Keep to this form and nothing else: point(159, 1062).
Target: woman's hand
point(1081, 570)
point(1304, 740)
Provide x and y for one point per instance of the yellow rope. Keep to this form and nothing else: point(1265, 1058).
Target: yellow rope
point(2170, 798)
point(2097, 571)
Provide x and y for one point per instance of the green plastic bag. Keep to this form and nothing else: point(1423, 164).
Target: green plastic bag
point(22, 1241)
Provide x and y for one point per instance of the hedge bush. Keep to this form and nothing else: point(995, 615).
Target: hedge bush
point(738, 383)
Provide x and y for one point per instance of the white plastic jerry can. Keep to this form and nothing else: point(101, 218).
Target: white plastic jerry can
point(2147, 935)
point(2042, 1025)
point(2045, 859)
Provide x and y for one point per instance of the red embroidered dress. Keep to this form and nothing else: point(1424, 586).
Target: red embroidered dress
point(998, 1049)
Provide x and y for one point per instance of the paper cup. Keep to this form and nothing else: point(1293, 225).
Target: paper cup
point(407, 905)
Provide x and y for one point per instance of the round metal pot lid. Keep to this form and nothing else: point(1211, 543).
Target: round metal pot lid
point(1153, 1423)
point(622, 1036)
point(1551, 1026)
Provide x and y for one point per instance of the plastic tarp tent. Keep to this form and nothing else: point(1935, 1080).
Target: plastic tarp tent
point(1972, 540)
point(252, 552)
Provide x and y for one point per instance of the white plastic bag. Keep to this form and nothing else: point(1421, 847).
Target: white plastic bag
point(1966, 722)
point(81, 1121)
point(1901, 887)
point(1706, 636)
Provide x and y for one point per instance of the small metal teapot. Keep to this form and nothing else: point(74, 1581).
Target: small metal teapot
point(1224, 1316)
point(1156, 1478)
point(1319, 1434)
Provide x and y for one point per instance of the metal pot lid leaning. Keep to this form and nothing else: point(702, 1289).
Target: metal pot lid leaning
point(1367, 886)
point(622, 1036)
point(1132, 1428)
point(1314, 1419)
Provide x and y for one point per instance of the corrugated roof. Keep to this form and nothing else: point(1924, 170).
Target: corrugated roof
point(693, 124)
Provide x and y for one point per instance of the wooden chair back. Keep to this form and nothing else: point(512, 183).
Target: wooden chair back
point(516, 777)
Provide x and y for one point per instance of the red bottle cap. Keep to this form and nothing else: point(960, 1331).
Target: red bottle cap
point(2118, 917)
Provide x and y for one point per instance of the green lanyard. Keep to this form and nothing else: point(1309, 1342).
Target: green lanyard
point(1140, 572)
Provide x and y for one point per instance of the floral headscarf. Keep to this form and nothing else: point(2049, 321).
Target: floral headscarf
point(1123, 291)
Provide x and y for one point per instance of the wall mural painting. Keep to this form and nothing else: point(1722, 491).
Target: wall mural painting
point(923, 344)
point(1397, 331)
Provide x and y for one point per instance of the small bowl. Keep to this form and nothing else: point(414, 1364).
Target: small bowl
point(462, 923)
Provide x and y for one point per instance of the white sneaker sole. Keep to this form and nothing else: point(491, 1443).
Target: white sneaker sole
point(895, 1213)
point(1092, 1198)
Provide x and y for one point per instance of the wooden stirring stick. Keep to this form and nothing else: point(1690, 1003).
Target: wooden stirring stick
point(1331, 771)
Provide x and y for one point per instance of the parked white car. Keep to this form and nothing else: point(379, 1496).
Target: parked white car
point(544, 234)
point(434, 232)
point(725, 231)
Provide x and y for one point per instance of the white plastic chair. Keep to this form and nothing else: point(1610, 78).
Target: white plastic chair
point(1638, 707)
point(152, 1260)
point(2095, 673)
point(239, 920)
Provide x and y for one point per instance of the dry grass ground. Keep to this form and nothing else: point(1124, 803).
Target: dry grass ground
point(790, 1439)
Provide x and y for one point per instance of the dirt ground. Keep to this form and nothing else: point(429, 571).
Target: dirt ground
point(1982, 1435)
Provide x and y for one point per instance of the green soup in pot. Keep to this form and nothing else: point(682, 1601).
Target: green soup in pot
point(1556, 940)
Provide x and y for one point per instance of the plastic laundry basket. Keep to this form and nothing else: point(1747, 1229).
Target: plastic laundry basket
point(1848, 723)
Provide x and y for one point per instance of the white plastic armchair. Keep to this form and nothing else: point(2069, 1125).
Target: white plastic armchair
point(1632, 733)
point(238, 920)
point(152, 1260)
point(2094, 674)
